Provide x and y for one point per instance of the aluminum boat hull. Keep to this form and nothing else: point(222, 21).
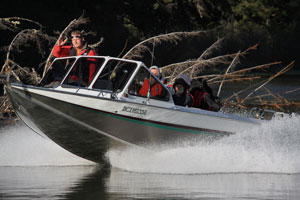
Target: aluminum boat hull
point(89, 126)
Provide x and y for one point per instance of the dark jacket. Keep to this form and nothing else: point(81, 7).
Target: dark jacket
point(183, 99)
point(204, 100)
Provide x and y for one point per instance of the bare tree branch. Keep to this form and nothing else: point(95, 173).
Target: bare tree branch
point(230, 66)
point(208, 52)
point(97, 44)
point(242, 71)
point(174, 37)
point(215, 46)
point(197, 66)
point(285, 69)
point(13, 23)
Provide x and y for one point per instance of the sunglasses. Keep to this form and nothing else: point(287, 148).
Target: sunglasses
point(75, 36)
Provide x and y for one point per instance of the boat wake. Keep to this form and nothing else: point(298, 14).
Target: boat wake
point(19, 146)
point(272, 148)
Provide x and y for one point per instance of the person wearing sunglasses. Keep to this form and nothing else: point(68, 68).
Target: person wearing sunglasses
point(79, 47)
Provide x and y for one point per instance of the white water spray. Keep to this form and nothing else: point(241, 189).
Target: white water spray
point(272, 148)
point(19, 146)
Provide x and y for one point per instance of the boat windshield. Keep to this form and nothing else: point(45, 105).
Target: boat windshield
point(115, 75)
point(57, 71)
point(142, 87)
point(83, 71)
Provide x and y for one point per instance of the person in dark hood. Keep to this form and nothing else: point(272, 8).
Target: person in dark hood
point(203, 96)
point(180, 86)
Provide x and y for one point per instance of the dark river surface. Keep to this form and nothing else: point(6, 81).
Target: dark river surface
point(261, 163)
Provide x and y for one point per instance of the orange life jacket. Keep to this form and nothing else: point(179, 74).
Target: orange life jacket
point(156, 90)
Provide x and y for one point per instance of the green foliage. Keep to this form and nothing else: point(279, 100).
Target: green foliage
point(157, 16)
point(273, 15)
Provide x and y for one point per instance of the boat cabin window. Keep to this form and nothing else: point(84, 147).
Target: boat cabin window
point(57, 71)
point(83, 71)
point(140, 86)
point(115, 75)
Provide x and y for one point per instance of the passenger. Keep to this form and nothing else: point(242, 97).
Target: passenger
point(79, 47)
point(156, 88)
point(181, 96)
point(155, 70)
point(204, 98)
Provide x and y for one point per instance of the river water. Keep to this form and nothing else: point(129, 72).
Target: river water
point(261, 163)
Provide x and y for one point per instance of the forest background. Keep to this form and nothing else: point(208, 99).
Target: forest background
point(273, 24)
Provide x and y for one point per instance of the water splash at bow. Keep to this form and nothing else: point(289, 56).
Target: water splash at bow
point(272, 148)
point(19, 146)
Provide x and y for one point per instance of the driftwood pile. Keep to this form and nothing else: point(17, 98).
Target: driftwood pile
point(194, 67)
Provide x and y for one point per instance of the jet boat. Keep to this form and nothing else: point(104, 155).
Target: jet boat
point(90, 104)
